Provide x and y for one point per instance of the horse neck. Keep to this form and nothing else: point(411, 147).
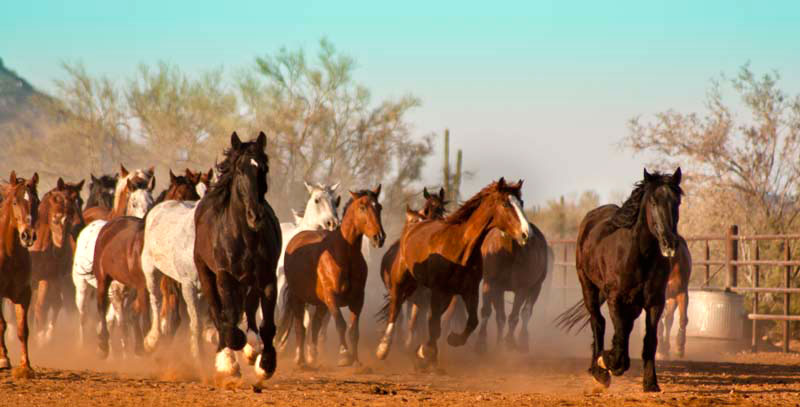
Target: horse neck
point(350, 232)
point(473, 231)
point(641, 235)
point(8, 231)
point(43, 240)
point(121, 205)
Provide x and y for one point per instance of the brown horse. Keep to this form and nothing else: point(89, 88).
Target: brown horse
point(677, 297)
point(101, 191)
point(59, 221)
point(327, 269)
point(444, 256)
point(147, 180)
point(508, 266)
point(18, 213)
point(434, 208)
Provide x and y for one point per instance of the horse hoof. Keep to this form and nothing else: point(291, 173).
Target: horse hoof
point(5, 364)
point(383, 350)
point(602, 378)
point(264, 372)
point(455, 340)
point(23, 372)
point(601, 363)
point(225, 363)
point(250, 354)
point(102, 353)
point(150, 342)
point(345, 360)
point(652, 388)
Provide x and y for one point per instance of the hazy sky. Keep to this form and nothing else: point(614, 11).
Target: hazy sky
point(535, 90)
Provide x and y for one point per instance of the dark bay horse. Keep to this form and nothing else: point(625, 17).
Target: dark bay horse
point(444, 256)
point(434, 208)
point(623, 258)
point(18, 213)
point(677, 298)
point(58, 222)
point(101, 191)
point(327, 269)
point(507, 266)
point(236, 251)
point(136, 181)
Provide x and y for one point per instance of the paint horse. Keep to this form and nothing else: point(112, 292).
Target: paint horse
point(326, 269)
point(102, 212)
point(18, 212)
point(444, 256)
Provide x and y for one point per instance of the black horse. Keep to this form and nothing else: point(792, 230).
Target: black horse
point(623, 258)
point(101, 192)
point(236, 252)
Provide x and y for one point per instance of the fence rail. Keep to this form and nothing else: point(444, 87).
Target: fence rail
point(732, 241)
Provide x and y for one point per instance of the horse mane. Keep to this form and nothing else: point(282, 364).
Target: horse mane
point(463, 213)
point(359, 194)
point(221, 189)
point(627, 215)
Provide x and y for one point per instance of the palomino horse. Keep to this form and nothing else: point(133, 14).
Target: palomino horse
point(17, 220)
point(138, 179)
point(444, 256)
point(117, 257)
point(623, 257)
point(327, 269)
point(434, 208)
point(508, 266)
point(236, 251)
point(133, 198)
point(677, 297)
point(59, 220)
point(101, 191)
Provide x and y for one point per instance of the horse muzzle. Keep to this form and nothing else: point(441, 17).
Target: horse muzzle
point(331, 224)
point(668, 247)
point(378, 240)
point(27, 237)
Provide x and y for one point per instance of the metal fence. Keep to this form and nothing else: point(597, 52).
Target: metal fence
point(704, 259)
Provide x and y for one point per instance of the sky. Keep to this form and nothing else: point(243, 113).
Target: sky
point(535, 90)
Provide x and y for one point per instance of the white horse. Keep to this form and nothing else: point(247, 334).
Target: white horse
point(138, 203)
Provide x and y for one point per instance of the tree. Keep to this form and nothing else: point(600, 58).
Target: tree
point(749, 167)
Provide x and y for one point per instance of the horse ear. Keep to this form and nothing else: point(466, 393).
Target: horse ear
point(210, 174)
point(261, 141)
point(411, 215)
point(337, 201)
point(377, 190)
point(501, 183)
point(35, 179)
point(309, 187)
point(60, 184)
point(425, 194)
point(123, 170)
point(353, 195)
point(79, 186)
point(647, 176)
point(676, 177)
point(172, 177)
point(235, 141)
point(151, 184)
point(441, 194)
point(94, 179)
point(334, 187)
point(519, 184)
point(151, 170)
point(13, 178)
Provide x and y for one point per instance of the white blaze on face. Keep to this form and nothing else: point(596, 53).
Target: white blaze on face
point(523, 221)
point(27, 197)
point(254, 162)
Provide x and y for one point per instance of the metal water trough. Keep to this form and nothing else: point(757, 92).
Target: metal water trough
point(716, 314)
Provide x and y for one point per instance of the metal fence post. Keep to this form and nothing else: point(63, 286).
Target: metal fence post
point(755, 298)
point(732, 255)
point(787, 255)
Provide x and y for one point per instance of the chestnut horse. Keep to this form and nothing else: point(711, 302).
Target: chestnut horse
point(327, 269)
point(91, 214)
point(623, 257)
point(677, 297)
point(118, 257)
point(59, 221)
point(508, 266)
point(444, 256)
point(18, 213)
point(236, 250)
point(434, 208)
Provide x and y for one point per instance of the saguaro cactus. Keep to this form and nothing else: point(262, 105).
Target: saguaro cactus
point(451, 183)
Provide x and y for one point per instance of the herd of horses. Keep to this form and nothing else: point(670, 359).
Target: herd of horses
point(211, 247)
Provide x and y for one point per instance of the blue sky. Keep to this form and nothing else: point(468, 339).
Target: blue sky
point(538, 90)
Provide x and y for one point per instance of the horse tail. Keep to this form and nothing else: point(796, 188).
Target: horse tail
point(285, 320)
point(382, 316)
point(575, 315)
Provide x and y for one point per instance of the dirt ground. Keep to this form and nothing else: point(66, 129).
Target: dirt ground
point(68, 377)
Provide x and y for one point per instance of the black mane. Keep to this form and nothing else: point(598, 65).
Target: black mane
point(359, 194)
point(628, 214)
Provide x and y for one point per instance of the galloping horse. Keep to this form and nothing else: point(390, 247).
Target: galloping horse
point(444, 256)
point(327, 269)
point(623, 257)
point(118, 256)
point(677, 297)
point(59, 220)
point(18, 213)
point(236, 251)
point(434, 208)
point(132, 198)
point(101, 192)
point(139, 179)
point(508, 266)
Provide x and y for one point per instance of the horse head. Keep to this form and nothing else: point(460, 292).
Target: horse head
point(661, 203)
point(60, 210)
point(320, 212)
point(249, 171)
point(508, 216)
point(24, 203)
point(183, 187)
point(367, 214)
point(435, 204)
point(139, 187)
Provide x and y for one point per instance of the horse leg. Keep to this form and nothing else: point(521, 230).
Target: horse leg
point(22, 329)
point(617, 360)
point(4, 362)
point(231, 312)
point(592, 302)
point(513, 320)
point(140, 308)
point(650, 382)
point(266, 362)
point(320, 312)
point(252, 348)
point(190, 296)
point(151, 278)
point(428, 353)
point(40, 311)
point(683, 307)
point(411, 324)
point(355, 313)
point(56, 302)
point(497, 298)
point(527, 311)
point(486, 313)
point(397, 294)
point(470, 297)
point(81, 294)
point(103, 282)
point(297, 309)
point(345, 358)
point(225, 360)
point(666, 324)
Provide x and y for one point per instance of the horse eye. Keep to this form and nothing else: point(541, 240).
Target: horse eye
point(316, 201)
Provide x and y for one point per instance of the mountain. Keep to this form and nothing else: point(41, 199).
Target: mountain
point(18, 100)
